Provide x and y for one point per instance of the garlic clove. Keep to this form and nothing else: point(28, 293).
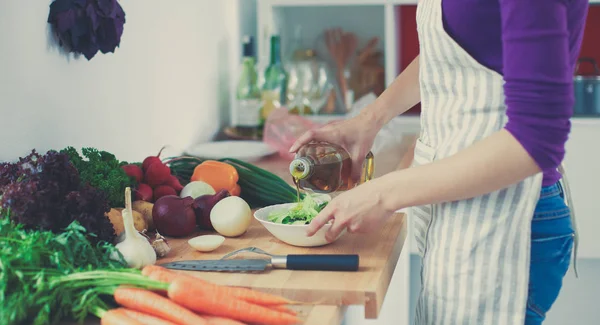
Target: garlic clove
point(206, 243)
point(161, 246)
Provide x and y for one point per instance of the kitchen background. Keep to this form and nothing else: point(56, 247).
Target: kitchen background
point(173, 81)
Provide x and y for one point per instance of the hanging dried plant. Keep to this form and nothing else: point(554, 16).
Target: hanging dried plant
point(87, 26)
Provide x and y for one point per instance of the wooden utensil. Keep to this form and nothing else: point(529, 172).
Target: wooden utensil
point(341, 46)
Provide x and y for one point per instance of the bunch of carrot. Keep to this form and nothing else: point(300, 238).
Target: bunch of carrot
point(190, 300)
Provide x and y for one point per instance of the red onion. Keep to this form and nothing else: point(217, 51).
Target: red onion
point(204, 204)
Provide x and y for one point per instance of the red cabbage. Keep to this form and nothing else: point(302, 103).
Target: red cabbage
point(87, 26)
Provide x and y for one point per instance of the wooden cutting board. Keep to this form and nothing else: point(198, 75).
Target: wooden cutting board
point(378, 251)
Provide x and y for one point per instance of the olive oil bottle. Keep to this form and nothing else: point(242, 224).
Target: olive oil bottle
point(324, 167)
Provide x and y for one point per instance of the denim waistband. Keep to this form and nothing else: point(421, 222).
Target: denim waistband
point(551, 190)
point(551, 204)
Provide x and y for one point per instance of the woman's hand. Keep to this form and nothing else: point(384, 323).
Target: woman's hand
point(360, 209)
point(356, 135)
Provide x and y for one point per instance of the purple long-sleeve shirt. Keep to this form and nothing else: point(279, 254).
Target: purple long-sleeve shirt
point(534, 44)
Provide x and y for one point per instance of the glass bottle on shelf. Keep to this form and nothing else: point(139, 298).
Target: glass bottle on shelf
point(248, 96)
point(275, 82)
point(300, 83)
point(299, 76)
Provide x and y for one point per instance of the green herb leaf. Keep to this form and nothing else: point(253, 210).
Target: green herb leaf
point(103, 171)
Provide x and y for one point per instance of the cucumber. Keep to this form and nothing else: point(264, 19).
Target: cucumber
point(259, 187)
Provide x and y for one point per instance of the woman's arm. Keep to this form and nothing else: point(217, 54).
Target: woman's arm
point(494, 163)
point(399, 97)
point(538, 89)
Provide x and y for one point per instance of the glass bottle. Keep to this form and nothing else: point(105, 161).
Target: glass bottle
point(323, 167)
point(275, 82)
point(301, 82)
point(299, 69)
point(248, 96)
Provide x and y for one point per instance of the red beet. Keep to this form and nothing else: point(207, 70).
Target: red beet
point(163, 190)
point(157, 174)
point(174, 216)
point(134, 171)
point(174, 183)
point(143, 192)
point(151, 160)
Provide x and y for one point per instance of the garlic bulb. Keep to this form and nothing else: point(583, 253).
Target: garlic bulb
point(135, 248)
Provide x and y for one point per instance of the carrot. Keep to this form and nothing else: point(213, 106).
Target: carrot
point(162, 274)
point(215, 320)
point(117, 317)
point(145, 318)
point(256, 297)
point(216, 303)
point(284, 309)
point(153, 304)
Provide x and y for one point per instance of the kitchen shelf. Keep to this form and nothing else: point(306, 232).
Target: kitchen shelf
point(281, 3)
point(586, 121)
point(364, 21)
point(365, 18)
point(409, 123)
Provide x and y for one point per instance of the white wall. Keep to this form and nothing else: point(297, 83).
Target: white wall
point(167, 83)
point(582, 164)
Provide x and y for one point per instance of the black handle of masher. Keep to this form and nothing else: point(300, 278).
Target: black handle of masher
point(323, 262)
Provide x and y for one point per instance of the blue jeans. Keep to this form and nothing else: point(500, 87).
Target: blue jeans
point(552, 238)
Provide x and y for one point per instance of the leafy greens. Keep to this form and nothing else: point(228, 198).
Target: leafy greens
point(45, 192)
point(103, 171)
point(34, 267)
point(301, 213)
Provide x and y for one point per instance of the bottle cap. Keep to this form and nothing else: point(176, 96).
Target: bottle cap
point(300, 168)
point(247, 46)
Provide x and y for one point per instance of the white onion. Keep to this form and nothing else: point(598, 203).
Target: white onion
point(206, 243)
point(197, 189)
point(231, 216)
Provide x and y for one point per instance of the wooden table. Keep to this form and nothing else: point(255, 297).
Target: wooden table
point(378, 253)
point(327, 294)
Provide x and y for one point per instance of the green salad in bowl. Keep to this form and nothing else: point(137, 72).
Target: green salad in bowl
point(300, 213)
point(288, 222)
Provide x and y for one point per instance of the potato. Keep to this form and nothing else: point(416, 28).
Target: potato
point(116, 218)
point(145, 208)
point(139, 221)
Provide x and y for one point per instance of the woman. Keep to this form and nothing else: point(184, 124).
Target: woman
point(494, 78)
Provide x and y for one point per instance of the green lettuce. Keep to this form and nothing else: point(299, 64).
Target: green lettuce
point(301, 213)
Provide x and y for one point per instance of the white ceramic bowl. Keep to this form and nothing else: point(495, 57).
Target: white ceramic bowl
point(294, 235)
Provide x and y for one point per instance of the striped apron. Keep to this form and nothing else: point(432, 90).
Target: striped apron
point(475, 252)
